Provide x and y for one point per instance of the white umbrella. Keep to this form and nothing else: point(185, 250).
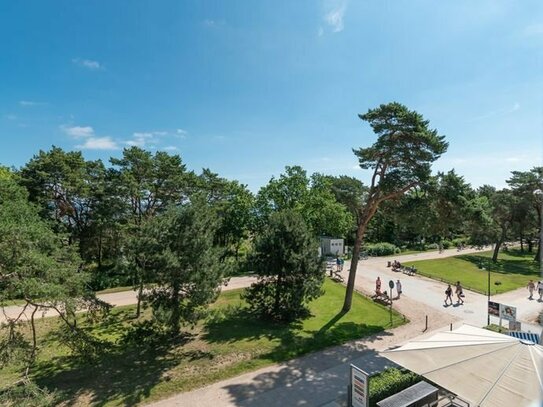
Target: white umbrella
point(485, 368)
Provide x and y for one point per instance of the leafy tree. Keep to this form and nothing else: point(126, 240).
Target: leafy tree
point(37, 266)
point(524, 186)
point(234, 205)
point(146, 184)
point(178, 247)
point(290, 274)
point(67, 188)
point(312, 197)
point(400, 160)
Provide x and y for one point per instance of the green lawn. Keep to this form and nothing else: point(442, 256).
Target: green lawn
point(227, 343)
point(513, 270)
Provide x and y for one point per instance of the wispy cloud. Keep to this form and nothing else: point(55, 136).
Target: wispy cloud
point(30, 103)
point(180, 133)
point(334, 16)
point(208, 22)
point(98, 143)
point(146, 139)
point(88, 64)
point(170, 148)
point(78, 131)
point(533, 30)
point(498, 112)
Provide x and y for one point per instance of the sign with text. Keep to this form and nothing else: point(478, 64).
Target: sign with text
point(359, 387)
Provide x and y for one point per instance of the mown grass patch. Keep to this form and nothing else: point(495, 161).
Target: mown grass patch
point(512, 270)
point(227, 343)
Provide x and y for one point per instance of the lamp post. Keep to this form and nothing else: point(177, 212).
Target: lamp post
point(539, 194)
point(482, 267)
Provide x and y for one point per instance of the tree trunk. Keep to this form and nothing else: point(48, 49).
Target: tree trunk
point(176, 311)
point(100, 249)
point(537, 256)
point(140, 293)
point(521, 243)
point(360, 232)
point(497, 247)
point(530, 245)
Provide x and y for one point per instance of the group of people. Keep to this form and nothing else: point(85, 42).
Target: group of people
point(378, 292)
point(457, 290)
point(533, 287)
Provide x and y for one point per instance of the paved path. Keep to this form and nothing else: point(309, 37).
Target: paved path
point(116, 299)
point(320, 379)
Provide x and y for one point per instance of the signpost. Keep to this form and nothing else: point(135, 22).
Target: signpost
point(359, 388)
point(391, 285)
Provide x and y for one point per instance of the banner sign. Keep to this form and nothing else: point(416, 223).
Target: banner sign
point(508, 313)
point(494, 308)
point(359, 387)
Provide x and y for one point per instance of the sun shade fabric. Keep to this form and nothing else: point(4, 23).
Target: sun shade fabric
point(527, 336)
point(486, 368)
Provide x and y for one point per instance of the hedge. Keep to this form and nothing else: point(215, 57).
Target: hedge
point(390, 381)
point(381, 249)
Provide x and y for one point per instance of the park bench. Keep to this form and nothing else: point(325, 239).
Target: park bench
point(410, 271)
point(382, 298)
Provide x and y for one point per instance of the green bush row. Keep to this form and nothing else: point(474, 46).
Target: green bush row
point(381, 249)
point(390, 381)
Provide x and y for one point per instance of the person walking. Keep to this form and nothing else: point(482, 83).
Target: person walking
point(540, 290)
point(531, 288)
point(459, 293)
point(448, 294)
point(378, 286)
point(399, 288)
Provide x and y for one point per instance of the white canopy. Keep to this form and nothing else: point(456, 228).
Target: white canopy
point(485, 368)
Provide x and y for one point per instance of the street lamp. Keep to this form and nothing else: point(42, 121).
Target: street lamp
point(539, 194)
point(481, 266)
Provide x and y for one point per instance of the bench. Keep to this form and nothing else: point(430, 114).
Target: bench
point(410, 271)
point(382, 298)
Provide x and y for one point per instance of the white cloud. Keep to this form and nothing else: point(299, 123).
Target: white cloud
point(140, 139)
point(533, 30)
point(98, 143)
point(334, 18)
point(180, 133)
point(88, 64)
point(78, 131)
point(208, 22)
point(170, 148)
point(29, 103)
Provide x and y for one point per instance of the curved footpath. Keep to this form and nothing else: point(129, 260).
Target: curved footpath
point(321, 378)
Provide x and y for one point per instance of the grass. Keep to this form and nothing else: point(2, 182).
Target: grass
point(227, 343)
point(512, 270)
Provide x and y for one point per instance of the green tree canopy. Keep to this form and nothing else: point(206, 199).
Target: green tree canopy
point(289, 271)
point(400, 160)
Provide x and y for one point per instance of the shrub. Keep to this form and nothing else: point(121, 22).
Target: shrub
point(381, 249)
point(460, 240)
point(27, 394)
point(389, 382)
point(432, 246)
point(447, 244)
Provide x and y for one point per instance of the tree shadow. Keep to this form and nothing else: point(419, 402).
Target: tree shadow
point(292, 340)
point(526, 267)
point(314, 379)
point(124, 373)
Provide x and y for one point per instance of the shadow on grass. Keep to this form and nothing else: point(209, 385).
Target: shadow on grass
point(526, 267)
point(124, 373)
point(292, 341)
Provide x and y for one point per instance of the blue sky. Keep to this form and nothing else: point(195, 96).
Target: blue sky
point(247, 87)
